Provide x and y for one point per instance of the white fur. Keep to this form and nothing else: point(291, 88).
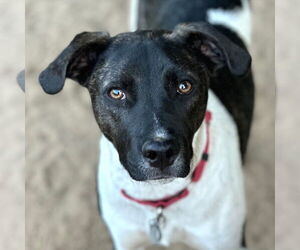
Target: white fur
point(238, 20)
point(133, 20)
point(159, 132)
point(209, 218)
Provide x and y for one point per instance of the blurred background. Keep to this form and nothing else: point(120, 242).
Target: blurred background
point(62, 135)
point(287, 125)
point(12, 126)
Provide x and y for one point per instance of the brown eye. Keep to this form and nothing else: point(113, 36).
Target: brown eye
point(184, 87)
point(117, 94)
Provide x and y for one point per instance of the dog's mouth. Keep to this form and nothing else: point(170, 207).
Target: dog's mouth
point(161, 180)
point(157, 179)
point(143, 170)
point(159, 176)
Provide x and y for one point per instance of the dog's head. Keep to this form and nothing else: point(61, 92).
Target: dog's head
point(149, 90)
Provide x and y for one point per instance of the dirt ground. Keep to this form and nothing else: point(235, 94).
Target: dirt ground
point(62, 136)
point(12, 132)
point(287, 125)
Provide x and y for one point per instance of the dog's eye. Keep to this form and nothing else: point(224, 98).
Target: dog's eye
point(117, 94)
point(184, 87)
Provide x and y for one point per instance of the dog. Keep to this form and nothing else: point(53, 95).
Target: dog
point(174, 100)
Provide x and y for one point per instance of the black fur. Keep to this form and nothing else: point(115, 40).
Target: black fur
point(148, 66)
point(244, 241)
point(76, 61)
point(236, 93)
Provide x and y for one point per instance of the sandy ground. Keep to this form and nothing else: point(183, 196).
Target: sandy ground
point(62, 136)
point(12, 122)
point(287, 125)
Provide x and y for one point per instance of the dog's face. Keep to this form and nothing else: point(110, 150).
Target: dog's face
point(149, 90)
point(149, 97)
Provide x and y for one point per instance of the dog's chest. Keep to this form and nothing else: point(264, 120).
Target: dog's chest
point(202, 217)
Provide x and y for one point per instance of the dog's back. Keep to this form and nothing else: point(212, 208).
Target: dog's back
point(158, 14)
point(232, 18)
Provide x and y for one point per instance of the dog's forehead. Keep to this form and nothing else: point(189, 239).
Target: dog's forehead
point(141, 35)
point(142, 56)
point(136, 45)
point(132, 52)
point(147, 47)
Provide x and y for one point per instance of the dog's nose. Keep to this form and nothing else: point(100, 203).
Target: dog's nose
point(160, 154)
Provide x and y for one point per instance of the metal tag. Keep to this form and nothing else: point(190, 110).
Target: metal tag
point(156, 225)
point(155, 232)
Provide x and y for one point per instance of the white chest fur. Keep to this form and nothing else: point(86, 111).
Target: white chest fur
point(210, 217)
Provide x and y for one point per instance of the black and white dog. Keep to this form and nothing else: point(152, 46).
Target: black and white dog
point(174, 101)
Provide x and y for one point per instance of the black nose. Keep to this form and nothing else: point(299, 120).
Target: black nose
point(160, 154)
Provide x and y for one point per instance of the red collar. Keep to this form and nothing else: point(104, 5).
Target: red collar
point(168, 201)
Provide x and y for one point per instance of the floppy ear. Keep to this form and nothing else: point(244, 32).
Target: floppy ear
point(76, 61)
point(214, 45)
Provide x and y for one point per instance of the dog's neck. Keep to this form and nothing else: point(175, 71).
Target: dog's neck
point(152, 190)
